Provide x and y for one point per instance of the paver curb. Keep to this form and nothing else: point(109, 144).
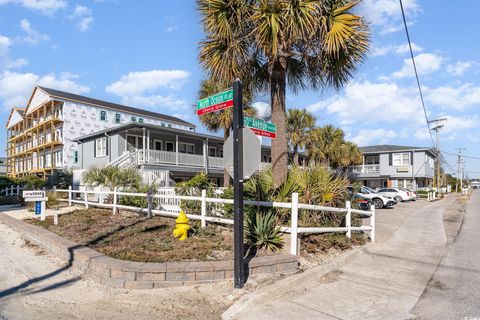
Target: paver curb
point(284, 286)
point(116, 273)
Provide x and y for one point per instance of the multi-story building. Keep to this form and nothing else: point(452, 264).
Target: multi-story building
point(43, 137)
point(3, 166)
point(391, 166)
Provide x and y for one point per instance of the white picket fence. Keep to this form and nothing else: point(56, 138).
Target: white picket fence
point(11, 191)
point(169, 202)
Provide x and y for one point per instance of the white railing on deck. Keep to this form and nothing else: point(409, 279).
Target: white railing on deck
point(365, 169)
point(167, 197)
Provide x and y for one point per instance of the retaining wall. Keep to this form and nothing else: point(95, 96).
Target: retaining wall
point(116, 273)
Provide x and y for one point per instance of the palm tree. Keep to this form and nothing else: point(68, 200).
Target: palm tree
point(223, 119)
point(112, 177)
point(272, 43)
point(349, 155)
point(299, 124)
point(316, 146)
point(332, 139)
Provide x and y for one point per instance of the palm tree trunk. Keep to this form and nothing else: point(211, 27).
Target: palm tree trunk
point(295, 155)
point(226, 175)
point(279, 145)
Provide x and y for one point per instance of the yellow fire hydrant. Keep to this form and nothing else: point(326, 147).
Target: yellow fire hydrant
point(182, 227)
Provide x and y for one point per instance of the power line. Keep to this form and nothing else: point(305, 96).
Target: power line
point(416, 73)
point(453, 154)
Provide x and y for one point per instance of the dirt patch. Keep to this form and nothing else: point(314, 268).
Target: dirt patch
point(130, 236)
point(453, 219)
point(36, 248)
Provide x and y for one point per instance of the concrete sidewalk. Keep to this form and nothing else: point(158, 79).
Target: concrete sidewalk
point(384, 281)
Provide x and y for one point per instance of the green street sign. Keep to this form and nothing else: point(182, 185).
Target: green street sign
point(260, 127)
point(219, 101)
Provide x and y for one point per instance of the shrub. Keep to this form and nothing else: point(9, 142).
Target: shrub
point(61, 179)
point(4, 200)
point(6, 182)
point(193, 187)
point(30, 182)
point(262, 232)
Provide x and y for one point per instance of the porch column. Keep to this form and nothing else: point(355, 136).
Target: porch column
point(176, 149)
point(205, 154)
point(143, 145)
point(148, 146)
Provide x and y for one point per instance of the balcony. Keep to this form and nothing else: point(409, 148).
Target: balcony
point(157, 157)
point(365, 170)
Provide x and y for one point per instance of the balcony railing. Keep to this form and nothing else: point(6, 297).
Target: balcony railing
point(365, 169)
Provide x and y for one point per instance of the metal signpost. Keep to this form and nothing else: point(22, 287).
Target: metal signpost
point(260, 127)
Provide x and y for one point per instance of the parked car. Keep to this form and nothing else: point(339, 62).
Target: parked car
point(397, 193)
point(378, 200)
point(361, 202)
point(413, 194)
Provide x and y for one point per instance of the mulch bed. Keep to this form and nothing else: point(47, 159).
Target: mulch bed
point(130, 236)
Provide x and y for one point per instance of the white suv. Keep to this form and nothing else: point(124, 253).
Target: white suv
point(378, 200)
point(397, 194)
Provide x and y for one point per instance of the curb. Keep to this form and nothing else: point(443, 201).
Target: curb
point(284, 286)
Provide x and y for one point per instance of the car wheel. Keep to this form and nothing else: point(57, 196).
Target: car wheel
point(398, 199)
point(378, 203)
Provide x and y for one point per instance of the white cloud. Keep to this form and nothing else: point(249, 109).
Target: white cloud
point(457, 98)
point(135, 83)
point(459, 68)
point(32, 36)
point(15, 88)
point(143, 88)
point(366, 137)
point(47, 7)
point(386, 14)
point(456, 124)
point(400, 49)
point(426, 63)
point(373, 103)
point(82, 17)
point(6, 61)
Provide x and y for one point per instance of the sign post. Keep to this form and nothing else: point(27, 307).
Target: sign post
point(39, 197)
point(238, 261)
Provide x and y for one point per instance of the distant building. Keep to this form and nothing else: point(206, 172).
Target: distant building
point(42, 137)
point(3, 166)
point(392, 166)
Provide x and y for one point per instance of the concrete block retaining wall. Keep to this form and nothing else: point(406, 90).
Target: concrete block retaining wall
point(116, 273)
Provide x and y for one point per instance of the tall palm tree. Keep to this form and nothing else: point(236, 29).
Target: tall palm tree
point(349, 155)
point(333, 138)
point(299, 124)
point(272, 43)
point(223, 119)
point(316, 146)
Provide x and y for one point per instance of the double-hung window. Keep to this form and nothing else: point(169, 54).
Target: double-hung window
point(186, 147)
point(401, 159)
point(103, 115)
point(118, 117)
point(101, 147)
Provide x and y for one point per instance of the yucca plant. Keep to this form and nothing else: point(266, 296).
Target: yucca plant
point(262, 232)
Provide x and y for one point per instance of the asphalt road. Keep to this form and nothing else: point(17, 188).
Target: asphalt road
point(454, 290)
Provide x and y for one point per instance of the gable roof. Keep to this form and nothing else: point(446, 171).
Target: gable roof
point(385, 148)
point(110, 105)
point(20, 111)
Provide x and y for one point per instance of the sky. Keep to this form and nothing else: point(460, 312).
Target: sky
point(144, 54)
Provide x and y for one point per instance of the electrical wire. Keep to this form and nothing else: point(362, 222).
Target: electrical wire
point(416, 74)
point(463, 156)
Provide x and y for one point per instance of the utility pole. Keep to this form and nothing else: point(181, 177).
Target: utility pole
point(437, 125)
point(459, 161)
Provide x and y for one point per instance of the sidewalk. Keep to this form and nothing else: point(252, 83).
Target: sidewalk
point(384, 281)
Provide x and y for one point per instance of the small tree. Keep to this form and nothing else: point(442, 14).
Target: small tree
point(299, 124)
point(112, 177)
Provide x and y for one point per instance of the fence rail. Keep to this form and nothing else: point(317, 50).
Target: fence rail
point(164, 196)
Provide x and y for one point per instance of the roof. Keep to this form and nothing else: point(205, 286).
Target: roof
point(385, 148)
point(111, 105)
point(21, 111)
point(139, 125)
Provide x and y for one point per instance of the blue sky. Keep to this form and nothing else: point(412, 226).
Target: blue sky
point(144, 54)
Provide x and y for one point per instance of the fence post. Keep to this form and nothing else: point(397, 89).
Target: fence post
point(372, 225)
point(204, 208)
point(85, 195)
point(294, 225)
point(69, 196)
point(18, 190)
point(55, 218)
point(149, 204)
point(11, 190)
point(114, 205)
point(348, 220)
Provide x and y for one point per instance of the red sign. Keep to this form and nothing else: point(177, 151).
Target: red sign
point(262, 133)
point(216, 107)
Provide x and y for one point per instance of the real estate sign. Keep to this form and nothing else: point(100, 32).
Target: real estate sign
point(219, 101)
point(260, 127)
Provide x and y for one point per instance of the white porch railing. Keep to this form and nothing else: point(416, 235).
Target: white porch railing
point(365, 169)
point(167, 196)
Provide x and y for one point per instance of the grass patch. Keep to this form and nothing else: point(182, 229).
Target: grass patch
point(130, 236)
point(323, 242)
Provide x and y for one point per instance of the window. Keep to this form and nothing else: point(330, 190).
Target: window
point(157, 145)
point(103, 115)
point(163, 124)
point(429, 160)
point(169, 146)
point(101, 147)
point(401, 159)
point(118, 118)
point(212, 152)
point(75, 156)
point(134, 119)
point(220, 153)
point(184, 147)
point(372, 160)
point(140, 120)
point(169, 125)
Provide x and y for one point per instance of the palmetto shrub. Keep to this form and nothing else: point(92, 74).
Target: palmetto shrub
point(262, 232)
